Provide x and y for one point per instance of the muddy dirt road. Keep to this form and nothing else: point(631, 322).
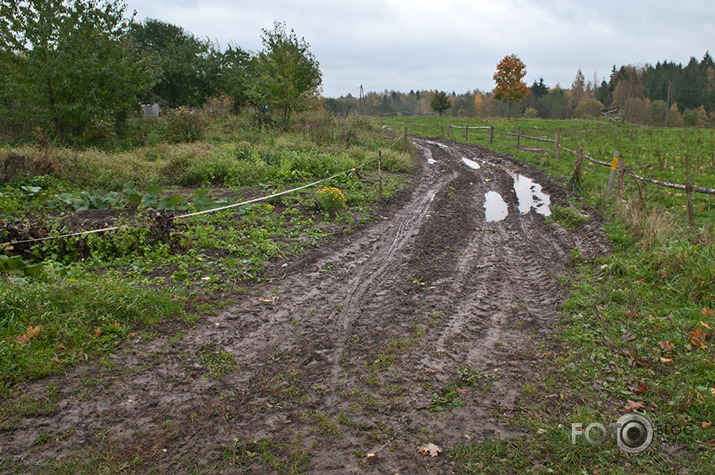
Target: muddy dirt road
point(420, 328)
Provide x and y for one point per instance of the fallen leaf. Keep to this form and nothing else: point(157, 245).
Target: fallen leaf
point(635, 406)
point(639, 388)
point(30, 333)
point(639, 282)
point(707, 424)
point(666, 346)
point(705, 325)
point(628, 336)
point(708, 312)
point(97, 331)
point(267, 299)
point(370, 455)
point(56, 360)
point(666, 360)
point(428, 370)
point(430, 449)
point(631, 315)
point(697, 338)
point(462, 390)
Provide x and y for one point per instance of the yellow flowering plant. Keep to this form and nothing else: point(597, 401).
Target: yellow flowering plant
point(330, 198)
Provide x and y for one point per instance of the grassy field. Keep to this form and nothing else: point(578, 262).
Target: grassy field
point(638, 329)
point(66, 300)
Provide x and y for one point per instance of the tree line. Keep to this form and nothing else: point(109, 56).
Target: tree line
point(663, 94)
point(76, 69)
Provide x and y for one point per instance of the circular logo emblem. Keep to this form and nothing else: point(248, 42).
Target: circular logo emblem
point(634, 433)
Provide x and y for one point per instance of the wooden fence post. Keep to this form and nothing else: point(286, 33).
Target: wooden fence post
point(379, 174)
point(575, 181)
point(491, 134)
point(466, 134)
point(621, 174)
point(689, 192)
point(518, 137)
point(556, 147)
point(405, 139)
point(614, 167)
point(448, 130)
point(381, 122)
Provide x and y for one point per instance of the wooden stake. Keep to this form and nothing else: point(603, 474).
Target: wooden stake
point(448, 130)
point(689, 191)
point(491, 134)
point(379, 174)
point(621, 174)
point(518, 136)
point(466, 134)
point(614, 167)
point(556, 147)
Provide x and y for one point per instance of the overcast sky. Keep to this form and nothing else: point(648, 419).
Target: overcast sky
point(454, 45)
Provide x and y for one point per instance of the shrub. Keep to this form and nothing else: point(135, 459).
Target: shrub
point(179, 125)
point(330, 199)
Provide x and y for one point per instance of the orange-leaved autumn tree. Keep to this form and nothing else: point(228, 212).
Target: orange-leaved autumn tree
point(510, 88)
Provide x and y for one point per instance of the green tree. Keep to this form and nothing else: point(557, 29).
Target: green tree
point(289, 76)
point(509, 87)
point(189, 67)
point(67, 63)
point(440, 102)
point(237, 76)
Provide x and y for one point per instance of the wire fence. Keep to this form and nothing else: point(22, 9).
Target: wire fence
point(557, 147)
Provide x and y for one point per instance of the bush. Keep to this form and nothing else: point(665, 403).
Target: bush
point(531, 113)
point(179, 125)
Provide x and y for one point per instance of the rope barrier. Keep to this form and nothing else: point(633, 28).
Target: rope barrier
point(212, 210)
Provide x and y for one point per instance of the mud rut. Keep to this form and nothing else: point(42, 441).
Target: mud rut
point(344, 355)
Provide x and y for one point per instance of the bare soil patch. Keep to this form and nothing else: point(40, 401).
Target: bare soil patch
point(420, 328)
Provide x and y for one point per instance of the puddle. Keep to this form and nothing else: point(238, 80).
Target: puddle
point(428, 154)
point(440, 145)
point(471, 163)
point(530, 195)
point(495, 208)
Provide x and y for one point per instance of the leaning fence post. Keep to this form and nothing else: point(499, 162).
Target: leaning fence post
point(491, 134)
point(556, 147)
point(689, 192)
point(621, 174)
point(614, 167)
point(379, 174)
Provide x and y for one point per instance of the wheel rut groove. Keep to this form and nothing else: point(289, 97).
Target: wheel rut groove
point(348, 352)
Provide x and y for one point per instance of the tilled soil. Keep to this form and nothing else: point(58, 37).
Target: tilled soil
point(345, 361)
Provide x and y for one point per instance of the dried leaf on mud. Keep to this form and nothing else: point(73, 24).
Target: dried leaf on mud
point(430, 449)
point(267, 299)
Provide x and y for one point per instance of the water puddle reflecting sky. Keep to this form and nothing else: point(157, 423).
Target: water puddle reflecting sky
point(495, 208)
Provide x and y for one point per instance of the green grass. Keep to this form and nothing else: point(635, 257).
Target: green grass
point(76, 315)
